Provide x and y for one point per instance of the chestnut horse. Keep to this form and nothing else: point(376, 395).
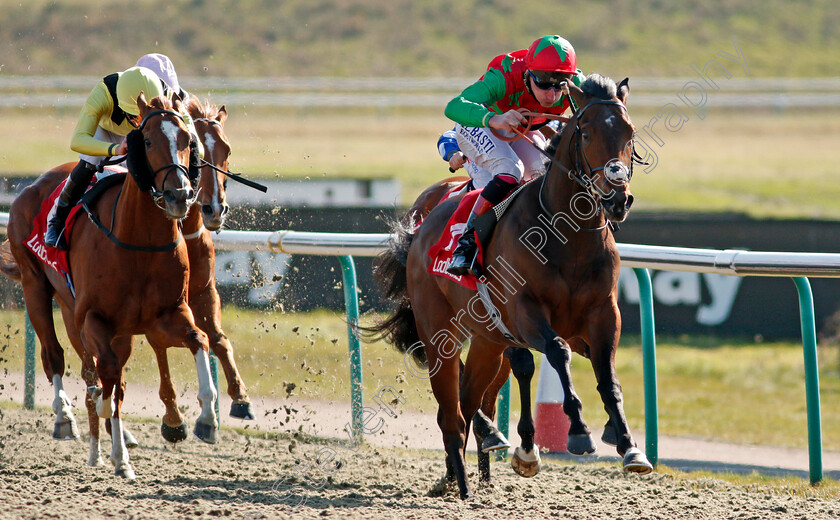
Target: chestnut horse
point(130, 279)
point(555, 258)
point(206, 215)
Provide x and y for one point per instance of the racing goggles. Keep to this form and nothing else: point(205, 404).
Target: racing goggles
point(548, 80)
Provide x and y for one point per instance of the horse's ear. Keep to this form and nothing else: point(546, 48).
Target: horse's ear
point(624, 90)
point(141, 103)
point(176, 104)
point(222, 115)
point(576, 93)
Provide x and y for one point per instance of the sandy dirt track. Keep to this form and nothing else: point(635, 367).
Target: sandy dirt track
point(251, 477)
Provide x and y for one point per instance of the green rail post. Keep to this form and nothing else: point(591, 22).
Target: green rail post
point(503, 416)
point(29, 366)
point(214, 374)
point(812, 377)
point(351, 304)
point(649, 359)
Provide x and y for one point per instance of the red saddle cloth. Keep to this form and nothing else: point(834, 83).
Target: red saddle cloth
point(441, 251)
point(54, 257)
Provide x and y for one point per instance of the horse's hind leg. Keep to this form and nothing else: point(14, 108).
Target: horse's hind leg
point(604, 335)
point(207, 311)
point(488, 438)
point(526, 458)
point(38, 295)
point(483, 366)
point(91, 380)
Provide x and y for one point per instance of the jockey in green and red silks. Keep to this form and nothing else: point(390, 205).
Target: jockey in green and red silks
point(528, 79)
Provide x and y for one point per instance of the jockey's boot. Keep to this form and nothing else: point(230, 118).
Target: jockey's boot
point(496, 190)
point(73, 190)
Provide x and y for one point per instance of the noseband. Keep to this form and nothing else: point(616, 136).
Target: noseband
point(157, 195)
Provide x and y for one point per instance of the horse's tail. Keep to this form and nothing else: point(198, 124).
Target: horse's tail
point(8, 266)
point(400, 329)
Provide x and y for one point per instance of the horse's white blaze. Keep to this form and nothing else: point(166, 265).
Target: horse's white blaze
point(209, 144)
point(170, 130)
point(610, 121)
point(206, 390)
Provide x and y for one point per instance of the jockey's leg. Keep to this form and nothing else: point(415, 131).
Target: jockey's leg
point(73, 190)
point(495, 192)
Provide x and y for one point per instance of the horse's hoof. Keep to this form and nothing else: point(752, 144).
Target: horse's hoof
point(125, 471)
point(581, 444)
point(66, 430)
point(494, 441)
point(206, 433)
point(526, 464)
point(173, 434)
point(130, 441)
point(242, 410)
point(609, 437)
point(96, 462)
point(636, 462)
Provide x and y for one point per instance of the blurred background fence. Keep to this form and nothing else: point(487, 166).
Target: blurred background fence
point(71, 91)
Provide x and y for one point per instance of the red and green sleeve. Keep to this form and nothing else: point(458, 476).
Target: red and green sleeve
point(470, 107)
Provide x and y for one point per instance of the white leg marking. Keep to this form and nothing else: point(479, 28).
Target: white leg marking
point(206, 390)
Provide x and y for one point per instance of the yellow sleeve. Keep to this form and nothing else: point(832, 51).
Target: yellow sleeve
point(97, 106)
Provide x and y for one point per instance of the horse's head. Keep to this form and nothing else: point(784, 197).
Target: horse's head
point(209, 122)
point(159, 154)
point(600, 140)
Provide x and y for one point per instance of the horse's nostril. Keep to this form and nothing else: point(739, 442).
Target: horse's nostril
point(207, 209)
point(629, 202)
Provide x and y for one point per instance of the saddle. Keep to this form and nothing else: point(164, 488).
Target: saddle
point(441, 251)
point(55, 258)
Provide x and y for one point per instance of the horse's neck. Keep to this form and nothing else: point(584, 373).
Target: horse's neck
point(563, 197)
point(139, 221)
point(193, 222)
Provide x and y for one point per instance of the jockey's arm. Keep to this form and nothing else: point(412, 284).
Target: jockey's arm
point(97, 106)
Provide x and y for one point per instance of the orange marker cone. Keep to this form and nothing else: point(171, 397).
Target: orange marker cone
point(551, 422)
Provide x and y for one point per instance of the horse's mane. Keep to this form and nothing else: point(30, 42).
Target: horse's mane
point(594, 86)
point(199, 110)
point(598, 86)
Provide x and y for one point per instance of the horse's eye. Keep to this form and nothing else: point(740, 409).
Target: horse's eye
point(148, 142)
point(585, 135)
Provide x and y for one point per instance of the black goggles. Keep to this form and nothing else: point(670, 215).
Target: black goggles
point(547, 80)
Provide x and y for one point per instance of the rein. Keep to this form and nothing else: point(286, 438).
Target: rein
point(234, 176)
point(157, 196)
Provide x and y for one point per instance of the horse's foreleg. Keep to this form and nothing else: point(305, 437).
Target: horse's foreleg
point(172, 427)
point(178, 329)
point(526, 457)
point(604, 336)
point(207, 311)
point(110, 362)
point(559, 354)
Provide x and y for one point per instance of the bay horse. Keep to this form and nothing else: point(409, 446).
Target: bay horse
point(130, 279)
point(525, 460)
point(207, 214)
point(556, 245)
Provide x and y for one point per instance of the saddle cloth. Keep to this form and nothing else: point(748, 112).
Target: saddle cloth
point(441, 251)
point(54, 257)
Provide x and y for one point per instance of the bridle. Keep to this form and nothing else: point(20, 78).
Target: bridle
point(157, 195)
